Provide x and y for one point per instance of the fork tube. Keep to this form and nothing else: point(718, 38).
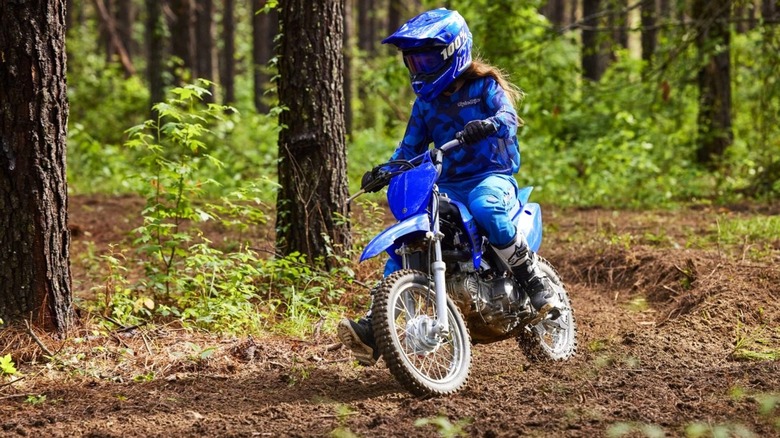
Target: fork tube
point(439, 268)
point(442, 322)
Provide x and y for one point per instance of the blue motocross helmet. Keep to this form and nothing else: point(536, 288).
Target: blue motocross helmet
point(436, 47)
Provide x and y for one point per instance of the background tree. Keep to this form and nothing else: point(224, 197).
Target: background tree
point(347, 42)
point(265, 26)
point(114, 43)
point(182, 29)
point(555, 11)
point(205, 52)
point(618, 23)
point(715, 133)
point(155, 42)
point(311, 202)
point(593, 58)
point(34, 236)
point(649, 14)
point(228, 65)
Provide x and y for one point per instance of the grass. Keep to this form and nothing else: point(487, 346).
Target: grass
point(759, 344)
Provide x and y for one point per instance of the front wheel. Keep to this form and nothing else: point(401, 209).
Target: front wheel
point(551, 340)
point(404, 309)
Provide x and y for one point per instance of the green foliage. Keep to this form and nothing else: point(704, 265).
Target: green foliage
point(215, 286)
point(444, 427)
point(754, 236)
point(101, 97)
point(7, 367)
point(35, 399)
point(705, 430)
point(634, 429)
point(174, 152)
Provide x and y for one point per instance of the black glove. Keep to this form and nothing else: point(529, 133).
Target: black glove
point(477, 130)
point(370, 182)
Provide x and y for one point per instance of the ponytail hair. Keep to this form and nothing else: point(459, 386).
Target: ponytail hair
point(481, 69)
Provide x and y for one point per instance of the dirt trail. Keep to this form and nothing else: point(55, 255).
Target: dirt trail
point(664, 332)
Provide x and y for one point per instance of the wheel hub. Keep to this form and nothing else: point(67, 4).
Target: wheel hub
point(418, 338)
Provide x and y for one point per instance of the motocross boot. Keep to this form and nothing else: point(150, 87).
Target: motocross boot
point(528, 274)
point(358, 336)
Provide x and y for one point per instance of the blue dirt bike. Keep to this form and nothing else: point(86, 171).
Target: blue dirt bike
point(452, 290)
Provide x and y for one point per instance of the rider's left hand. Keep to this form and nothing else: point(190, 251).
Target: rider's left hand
point(477, 130)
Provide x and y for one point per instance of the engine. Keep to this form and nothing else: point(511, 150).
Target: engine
point(491, 308)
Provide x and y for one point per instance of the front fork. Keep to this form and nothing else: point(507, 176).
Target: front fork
point(441, 327)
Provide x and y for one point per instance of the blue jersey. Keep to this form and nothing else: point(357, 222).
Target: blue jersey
point(437, 122)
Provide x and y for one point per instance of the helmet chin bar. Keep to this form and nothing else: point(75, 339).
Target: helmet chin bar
point(429, 87)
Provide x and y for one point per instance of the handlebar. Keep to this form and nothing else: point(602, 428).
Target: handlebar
point(436, 157)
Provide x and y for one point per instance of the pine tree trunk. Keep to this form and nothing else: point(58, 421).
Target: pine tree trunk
point(366, 27)
point(649, 12)
point(311, 202)
point(265, 26)
point(593, 63)
point(228, 73)
point(396, 11)
point(124, 11)
point(205, 54)
point(713, 43)
point(618, 23)
point(155, 41)
point(34, 238)
point(769, 10)
point(347, 42)
point(182, 30)
point(555, 11)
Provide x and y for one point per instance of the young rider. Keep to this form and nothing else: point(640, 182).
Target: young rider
point(457, 93)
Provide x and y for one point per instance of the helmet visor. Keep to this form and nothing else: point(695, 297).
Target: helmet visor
point(424, 62)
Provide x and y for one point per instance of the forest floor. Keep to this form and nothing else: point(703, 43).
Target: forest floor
point(679, 335)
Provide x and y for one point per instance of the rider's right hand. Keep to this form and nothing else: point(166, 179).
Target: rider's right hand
point(369, 183)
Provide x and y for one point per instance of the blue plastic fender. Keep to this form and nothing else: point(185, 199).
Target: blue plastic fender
point(530, 223)
point(386, 238)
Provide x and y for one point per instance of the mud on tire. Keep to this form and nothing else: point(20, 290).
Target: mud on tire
point(403, 304)
point(556, 343)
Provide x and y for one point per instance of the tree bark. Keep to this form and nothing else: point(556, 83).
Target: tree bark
point(125, 17)
point(649, 14)
point(593, 62)
point(155, 41)
point(396, 11)
point(228, 73)
point(618, 23)
point(182, 29)
point(555, 11)
point(366, 27)
point(769, 10)
point(347, 42)
point(34, 238)
point(205, 55)
point(116, 43)
point(311, 202)
point(713, 43)
point(265, 27)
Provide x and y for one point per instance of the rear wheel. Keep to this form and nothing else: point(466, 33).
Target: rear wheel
point(551, 340)
point(403, 312)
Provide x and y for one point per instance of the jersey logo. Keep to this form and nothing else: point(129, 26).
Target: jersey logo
point(470, 102)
